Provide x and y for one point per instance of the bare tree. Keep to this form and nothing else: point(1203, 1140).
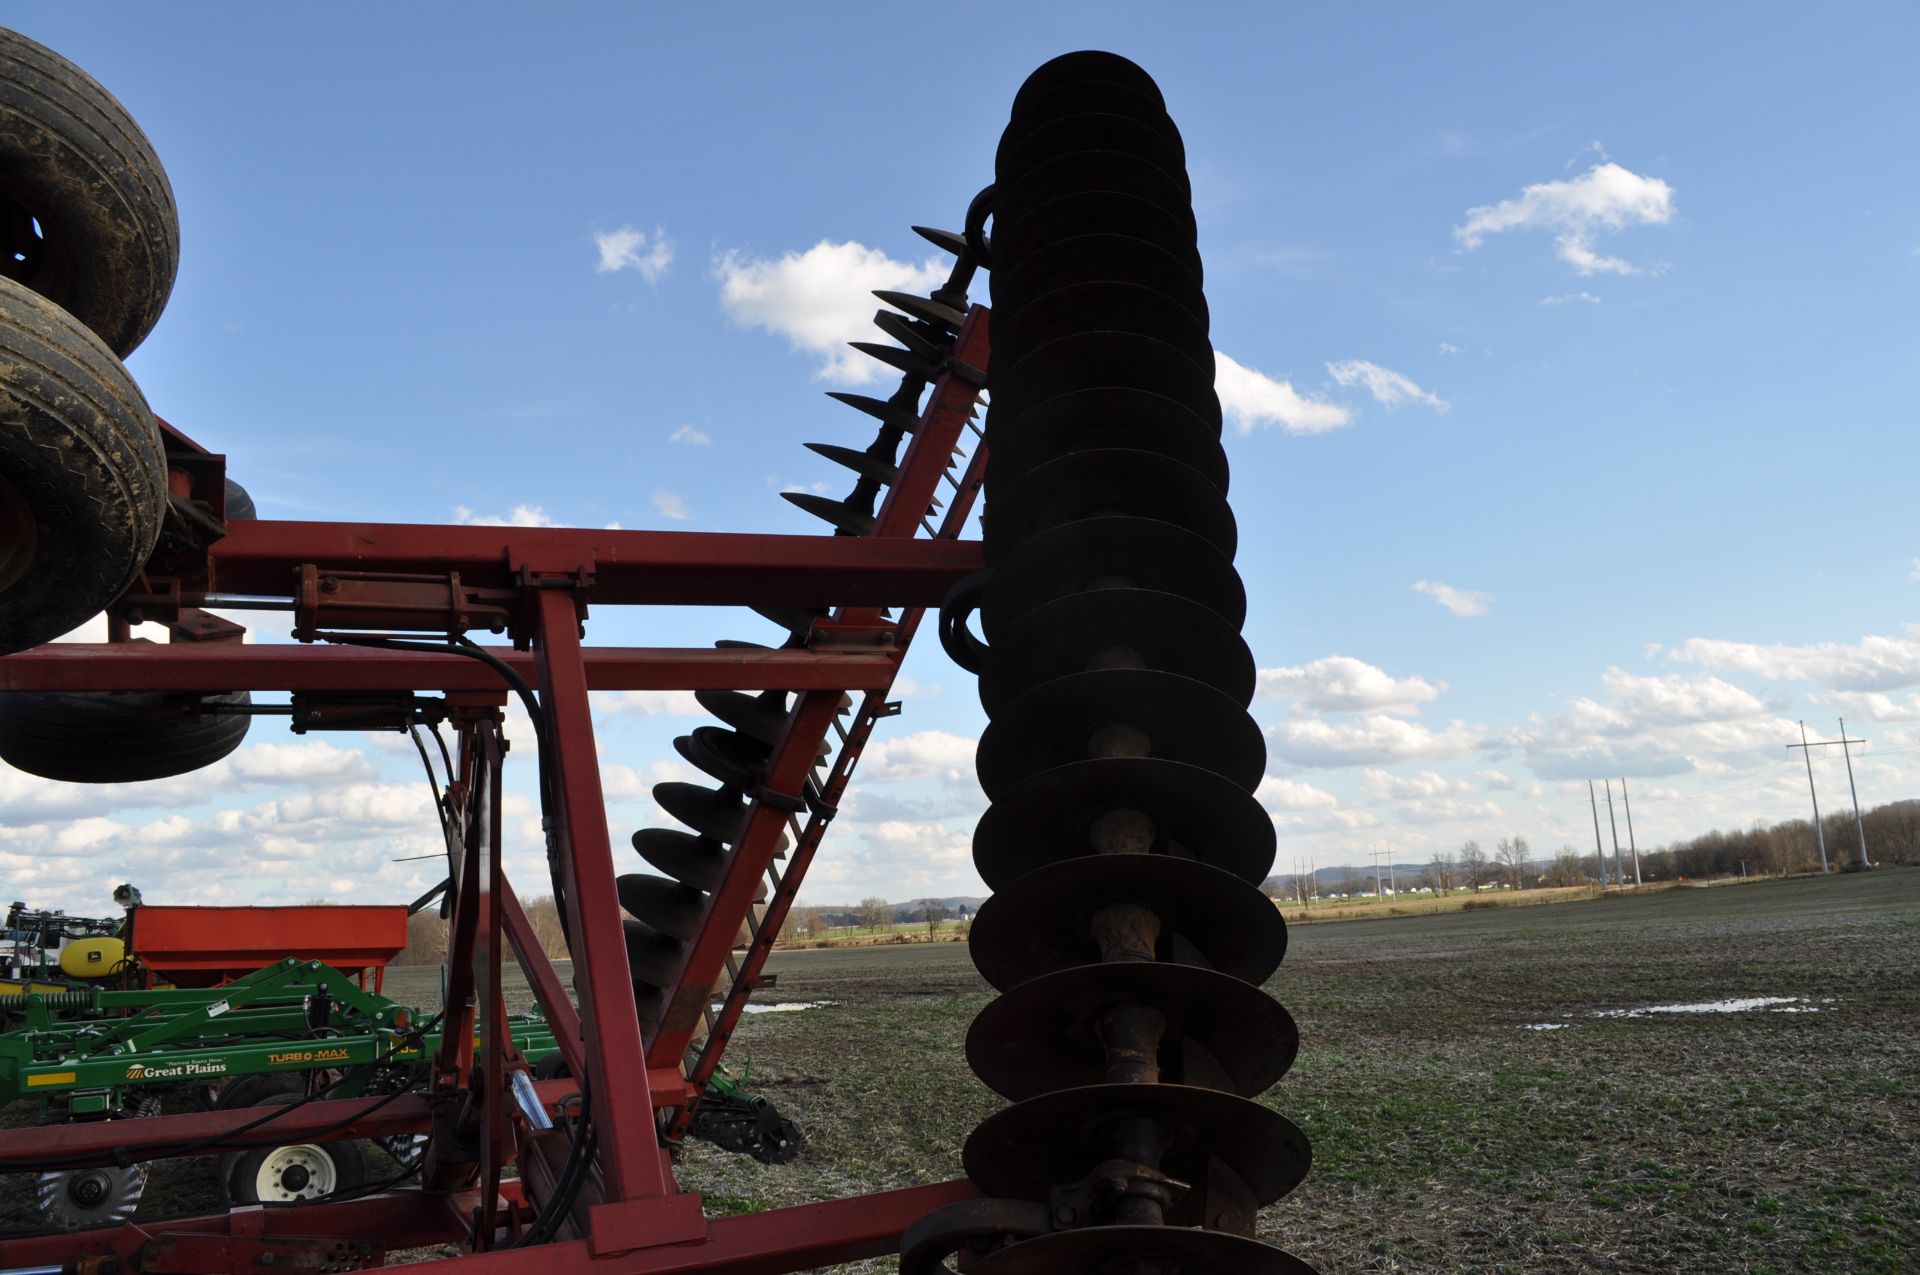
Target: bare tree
point(1511, 854)
point(932, 913)
point(426, 939)
point(875, 913)
point(1440, 872)
point(1473, 865)
point(1565, 869)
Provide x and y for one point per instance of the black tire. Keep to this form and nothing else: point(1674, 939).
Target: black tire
point(325, 1168)
point(73, 160)
point(239, 503)
point(83, 476)
point(115, 737)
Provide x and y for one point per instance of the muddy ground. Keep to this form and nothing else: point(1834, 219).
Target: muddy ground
point(1448, 1134)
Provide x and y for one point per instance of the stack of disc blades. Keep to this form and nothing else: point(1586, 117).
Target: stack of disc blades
point(1126, 932)
point(665, 911)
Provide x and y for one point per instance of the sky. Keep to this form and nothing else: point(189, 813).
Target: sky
point(1566, 358)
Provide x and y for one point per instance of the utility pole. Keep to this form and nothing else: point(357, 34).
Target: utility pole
point(1377, 855)
point(1819, 836)
point(1630, 842)
point(1599, 855)
point(1858, 827)
point(1619, 868)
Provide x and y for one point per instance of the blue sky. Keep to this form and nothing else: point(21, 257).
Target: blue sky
point(1567, 369)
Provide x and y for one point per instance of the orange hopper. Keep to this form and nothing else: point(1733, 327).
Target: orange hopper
point(205, 946)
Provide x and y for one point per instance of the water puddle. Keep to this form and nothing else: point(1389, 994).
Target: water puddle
point(1733, 1005)
point(1543, 1027)
point(783, 1007)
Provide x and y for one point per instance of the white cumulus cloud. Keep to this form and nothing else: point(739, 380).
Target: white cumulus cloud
point(631, 249)
point(1462, 602)
point(691, 436)
point(1388, 387)
point(521, 516)
point(821, 299)
point(1874, 663)
point(1250, 399)
point(671, 504)
point(1342, 684)
point(1568, 298)
point(1373, 739)
point(1605, 199)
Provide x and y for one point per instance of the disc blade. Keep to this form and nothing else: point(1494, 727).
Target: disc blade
point(652, 956)
point(1107, 307)
point(839, 514)
point(1098, 212)
point(693, 860)
point(668, 906)
point(1043, 922)
point(1024, 156)
point(1098, 420)
point(728, 756)
point(1094, 360)
point(1100, 553)
point(1097, 258)
point(862, 463)
point(1156, 630)
point(880, 409)
point(1173, 1250)
point(1023, 1151)
point(1080, 66)
point(711, 812)
point(898, 359)
point(1196, 813)
point(945, 240)
point(925, 309)
point(901, 329)
point(1081, 485)
point(751, 715)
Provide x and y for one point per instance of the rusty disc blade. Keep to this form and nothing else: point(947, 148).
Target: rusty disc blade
point(1098, 420)
point(1043, 1034)
point(1080, 485)
point(1085, 65)
point(1043, 922)
point(1161, 631)
point(692, 860)
point(1096, 1250)
point(1167, 716)
point(1116, 553)
point(668, 906)
point(1197, 814)
point(711, 812)
point(1112, 306)
point(652, 956)
point(1023, 1151)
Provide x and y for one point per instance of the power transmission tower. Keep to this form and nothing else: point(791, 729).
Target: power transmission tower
point(1631, 845)
point(1377, 855)
point(1619, 868)
point(1858, 827)
point(1600, 856)
point(1817, 832)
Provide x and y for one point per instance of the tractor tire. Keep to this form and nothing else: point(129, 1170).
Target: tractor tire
point(87, 217)
point(115, 737)
point(83, 477)
point(285, 1174)
point(239, 503)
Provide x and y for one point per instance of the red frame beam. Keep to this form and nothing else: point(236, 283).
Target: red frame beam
point(687, 568)
point(192, 666)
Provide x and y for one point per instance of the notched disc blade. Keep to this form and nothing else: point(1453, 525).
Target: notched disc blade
point(1196, 814)
point(652, 956)
point(1111, 1248)
point(925, 309)
point(1043, 922)
point(862, 463)
point(711, 812)
point(1082, 485)
point(1163, 630)
point(668, 906)
point(883, 410)
point(1023, 1151)
point(1044, 1034)
point(696, 861)
point(1098, 553)
point(1111, 712)
point(841, 515)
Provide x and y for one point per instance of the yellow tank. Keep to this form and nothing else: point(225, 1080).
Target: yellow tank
point(92, 958)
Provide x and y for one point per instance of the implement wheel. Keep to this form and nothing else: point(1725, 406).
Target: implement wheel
point(83, 478)
point(87, 217)
point(116, 737)
point(296, 1171)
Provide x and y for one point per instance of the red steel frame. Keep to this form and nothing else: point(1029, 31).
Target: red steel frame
point(641, 1221)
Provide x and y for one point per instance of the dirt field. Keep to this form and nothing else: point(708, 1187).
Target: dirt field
point(1448, 1134)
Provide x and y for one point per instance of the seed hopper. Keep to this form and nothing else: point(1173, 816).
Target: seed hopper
point(1126, 937)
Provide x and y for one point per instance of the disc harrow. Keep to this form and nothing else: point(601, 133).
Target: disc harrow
point(1123, 843)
